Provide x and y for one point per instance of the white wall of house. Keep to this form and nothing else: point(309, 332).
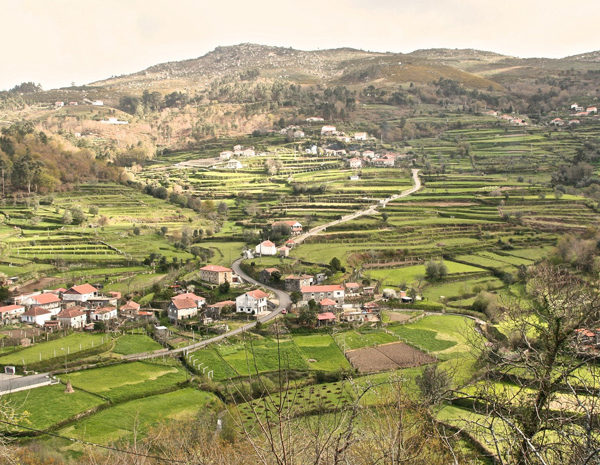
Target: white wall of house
point(247, 304)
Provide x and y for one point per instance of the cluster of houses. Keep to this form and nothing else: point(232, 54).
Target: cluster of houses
point(515, 121)
point(78, 307)
point(96, 103)
point(579, 111)
point(228, 160)
point(332, 131)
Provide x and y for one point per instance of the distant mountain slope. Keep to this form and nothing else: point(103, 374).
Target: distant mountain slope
point(589, 56)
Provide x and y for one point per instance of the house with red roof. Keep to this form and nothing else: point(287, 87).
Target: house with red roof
point(252, 302)
point(182, 309)
point(334, 292)
point(72, 317)
point(328, 305)
point(355, 163)
point(216, 274)
point(9, 313)
point(266, 248)
point(80, 293)
point(592, 110)
point(47, 301)
point(199, 300)
point(326, 318)
point(130, 308)
point(36, 316)
point(352, 289)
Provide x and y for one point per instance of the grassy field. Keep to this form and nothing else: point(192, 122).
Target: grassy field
point(64, 348)
point(48, 405)
point(321, 352)
point(127, 380)
point(119, 422)
point(134, 344)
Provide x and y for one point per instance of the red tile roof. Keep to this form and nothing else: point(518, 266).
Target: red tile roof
point(267, 244)
point(257, 294)
point(10, 308)
point(82, 289)
point(36, 311)
point(182, 304)
point(271, 270)
point(215, 268)
point(322, 288)
point(72, 312)
point(131, 305)
point(47, 298)
point(104, 310)
point(189, 295)
point(352, 285)
point(325, 316)
point(293, 276)
point(327, 303)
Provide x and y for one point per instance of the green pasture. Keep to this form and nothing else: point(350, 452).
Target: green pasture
point(129, 344)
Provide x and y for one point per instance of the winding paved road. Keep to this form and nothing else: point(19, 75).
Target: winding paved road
point(367, 211)
point(284, 298)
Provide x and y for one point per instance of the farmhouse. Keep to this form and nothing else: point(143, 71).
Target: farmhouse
point(252, 302)
point(225, 155)
point(557, 122)
point(368, 154)
point(352, 316)
point(266, 248)
point(576, 107)
point(182, 309)
point(9, 313)
point(592, 110)
point(267, 274)
point(334, 292)
point(81, 293)
point(314, 119)
point(103, 314)
point(198, 300)
point(355, 163)
point(36, 316)
point(328, 305)
point(361, 136)
point(284, 251)
point(296, 283)
point(47, 301)
point(214, 310)
point(573, 122)
point(384, 161)
point(216, 274)
point(72, 317)
point(325, 318)
point(295, 227)
point(328, 130)
point(130, 308)
point(352, 289)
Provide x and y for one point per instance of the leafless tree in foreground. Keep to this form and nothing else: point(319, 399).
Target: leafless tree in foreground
point(538, 400)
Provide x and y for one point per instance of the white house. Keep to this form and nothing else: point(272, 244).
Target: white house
point(72, 317)
point(182, 309)
point(11, 312)
point(81, 293)
point(225, 155)
point(103, 314)
point(314, 119)
point(295, 226)
point(368, 154)
point(360, 136)
point(355, 163)
point(252, 302)
point(592, 109)
point(234, 165)
point(312, 150)
point(266, 248)
point(98, 103)
point(36, 316)
point(328, 130)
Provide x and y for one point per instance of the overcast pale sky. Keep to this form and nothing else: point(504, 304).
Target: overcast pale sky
point(56, 42)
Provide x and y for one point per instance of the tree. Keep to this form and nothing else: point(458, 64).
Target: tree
point(67, 217)
point(93, 210)
point(295, 297)
point(435, 271)
point(308, 315)
point(78, 215)
point(529, 421)
point(433, 383)
point(224, 287)
point(335, 264)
